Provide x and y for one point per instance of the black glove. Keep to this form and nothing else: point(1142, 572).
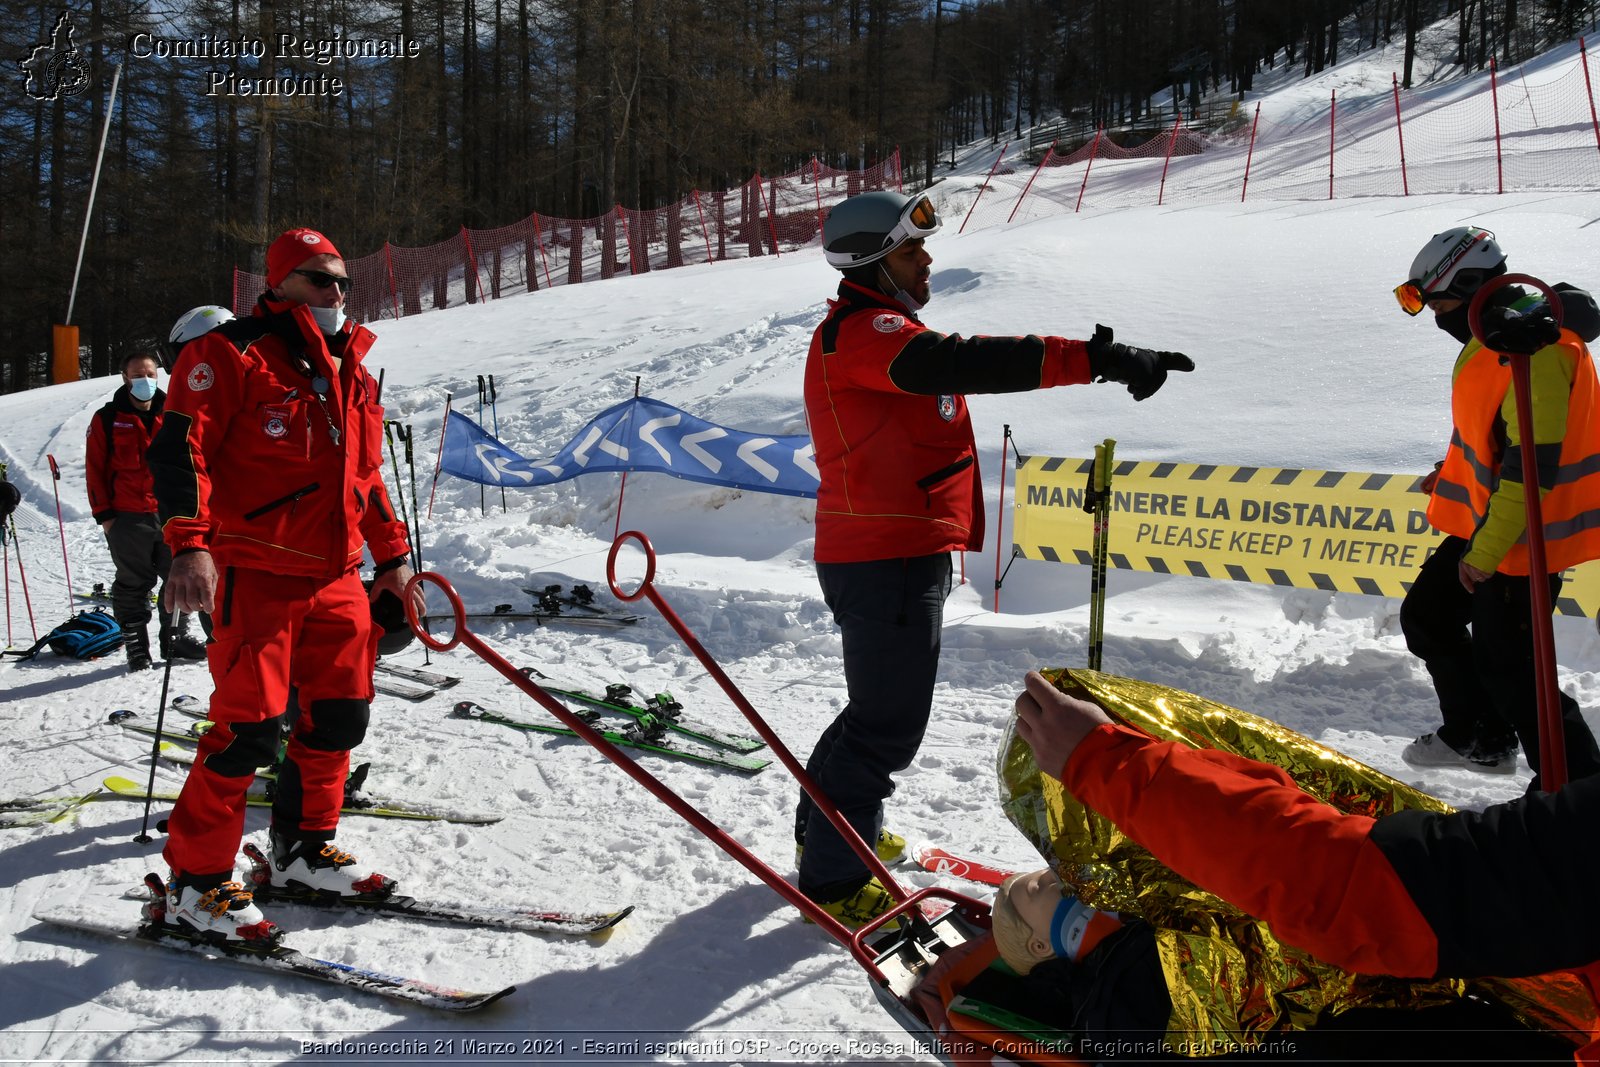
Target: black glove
point(1523, 332)
point(9, 498)
point(1140, 369)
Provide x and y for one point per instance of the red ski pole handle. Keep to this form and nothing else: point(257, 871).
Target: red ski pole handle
point(55, 471)
point(1480, 300)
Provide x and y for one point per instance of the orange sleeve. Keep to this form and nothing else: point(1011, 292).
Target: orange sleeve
point(1246, 832)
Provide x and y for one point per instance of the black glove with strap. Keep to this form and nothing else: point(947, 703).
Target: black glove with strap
point(1140, 369)
point(1522, 332)
point(9, 498)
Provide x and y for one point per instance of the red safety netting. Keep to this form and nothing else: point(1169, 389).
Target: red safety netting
point(764, 216)
point(1444, 139)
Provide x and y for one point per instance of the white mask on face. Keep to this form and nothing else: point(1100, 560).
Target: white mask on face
point(143, 389)
point(329, 320)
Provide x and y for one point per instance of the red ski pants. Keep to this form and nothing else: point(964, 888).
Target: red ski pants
point(272, 632)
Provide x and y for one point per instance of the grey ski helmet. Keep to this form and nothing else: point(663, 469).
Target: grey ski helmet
point(868, 226)
point(1454, 263)
point(191, 324)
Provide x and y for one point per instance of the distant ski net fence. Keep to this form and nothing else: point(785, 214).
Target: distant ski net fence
point(1534, 128)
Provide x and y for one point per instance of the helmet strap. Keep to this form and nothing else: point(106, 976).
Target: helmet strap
point(892, 289)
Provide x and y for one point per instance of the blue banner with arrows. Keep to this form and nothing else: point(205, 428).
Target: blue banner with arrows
point(640, 434)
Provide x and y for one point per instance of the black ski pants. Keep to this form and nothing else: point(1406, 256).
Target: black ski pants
point(890, 613)
point(1485, 676)
point(141, 556)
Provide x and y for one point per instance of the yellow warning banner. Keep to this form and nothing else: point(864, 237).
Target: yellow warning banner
point(1341, 531)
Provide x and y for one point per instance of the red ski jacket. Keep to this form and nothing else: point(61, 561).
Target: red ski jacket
point(890, 428)
point(1505, 892)
point(115, 446)
point(269, 457)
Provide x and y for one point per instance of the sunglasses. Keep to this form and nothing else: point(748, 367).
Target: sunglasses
point(322, 279)
point(1414, 296)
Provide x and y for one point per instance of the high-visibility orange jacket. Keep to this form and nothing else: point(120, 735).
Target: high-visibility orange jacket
point(1479, 495)
point(890, 428)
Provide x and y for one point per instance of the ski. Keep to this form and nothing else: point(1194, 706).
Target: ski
point(528, 920)
point(36, 811)
point(417, 674)
point(542, 617)
point(151, 929)
point(124, 718)
point(636, 736)
point(403, 690)
point(129, 789)
point(937, 860)
point(660, 707)
point(581, 599)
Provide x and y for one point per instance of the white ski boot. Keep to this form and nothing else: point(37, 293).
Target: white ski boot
point(222, 913)
point(322, 867)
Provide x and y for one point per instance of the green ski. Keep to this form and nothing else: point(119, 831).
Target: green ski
point(661, 707)
point(643, 735)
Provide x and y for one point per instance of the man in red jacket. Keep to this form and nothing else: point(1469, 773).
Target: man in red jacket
point(1418, 894)
point(125, 507)
point(899, 492)
point(268, 475)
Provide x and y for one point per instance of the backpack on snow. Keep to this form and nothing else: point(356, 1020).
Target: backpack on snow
point(84, 636)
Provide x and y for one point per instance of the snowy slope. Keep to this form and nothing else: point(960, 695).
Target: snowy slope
point(1303, 361)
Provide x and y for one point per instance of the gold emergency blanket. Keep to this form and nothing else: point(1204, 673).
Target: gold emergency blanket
point(1230, 980)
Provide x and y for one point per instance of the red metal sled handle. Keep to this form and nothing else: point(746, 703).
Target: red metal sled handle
point(1552, 737)
point(654, 785)
point(450, 595)
point(1481, 297)
point(647, 588)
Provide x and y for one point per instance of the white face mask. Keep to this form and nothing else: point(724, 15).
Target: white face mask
point(329, 320)
point(143, 389)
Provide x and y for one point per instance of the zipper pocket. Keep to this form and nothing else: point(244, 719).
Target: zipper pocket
point(928, 481)
point(282, 500)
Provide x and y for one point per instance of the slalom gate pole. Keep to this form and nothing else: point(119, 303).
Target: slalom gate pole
point(1552, 736)
point(66, 567)
point(165, 638)
point(623, 488)
point(1100, 490)
point(494, 412)
point(22, 575)
point(483, 507)
point(399, 493)
point(444, 428)
point(1000, 515)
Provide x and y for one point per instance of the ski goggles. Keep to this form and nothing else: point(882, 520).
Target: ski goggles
point(322, 279)
point(1413, 296)
point(918, 220)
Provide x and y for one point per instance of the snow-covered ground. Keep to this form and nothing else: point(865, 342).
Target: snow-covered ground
point(1303, 360)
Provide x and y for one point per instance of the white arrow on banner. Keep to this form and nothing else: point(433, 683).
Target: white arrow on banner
point(747, 452)
point(647, 435)
point(691, 445)
point(614, 449)
point(494, 460)
point(805, 459)
point(581, 453)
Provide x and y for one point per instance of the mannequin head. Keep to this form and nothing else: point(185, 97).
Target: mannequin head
point(1036, 920)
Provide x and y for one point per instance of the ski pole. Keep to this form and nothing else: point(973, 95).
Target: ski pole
point(399, 494)
point(5, 554)
point(1552, 736)
point(482, 507)
point(55, 477)
point(404, 433)
point(22, 574)
point(165, 637)
point(494, 413)
point(1099, 499)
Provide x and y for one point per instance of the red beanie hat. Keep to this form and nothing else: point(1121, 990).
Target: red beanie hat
point(292, 248)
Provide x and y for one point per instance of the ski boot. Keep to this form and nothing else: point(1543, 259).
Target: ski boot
point(317, 864)
point(890, 847)
point(223, 913)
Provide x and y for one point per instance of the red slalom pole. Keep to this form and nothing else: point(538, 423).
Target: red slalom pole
point(22, 575)
point(55, 476)
point(647, 588)
point(1552, 737)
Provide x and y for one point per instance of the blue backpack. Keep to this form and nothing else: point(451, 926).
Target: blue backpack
point(84, 636)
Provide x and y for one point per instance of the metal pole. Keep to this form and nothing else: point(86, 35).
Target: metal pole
point(55, 477)
point(1000, 519)
point(94, 185)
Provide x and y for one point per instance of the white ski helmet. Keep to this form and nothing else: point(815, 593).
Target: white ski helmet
point(1454, 263)
point(868, 226)
point(193, 323)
